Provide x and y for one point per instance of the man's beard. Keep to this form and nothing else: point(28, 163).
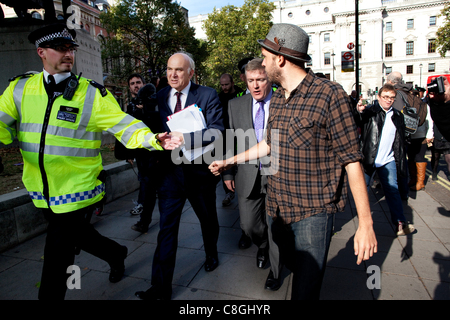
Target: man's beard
point(274, 77)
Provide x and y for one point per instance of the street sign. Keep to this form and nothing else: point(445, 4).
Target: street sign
point(347, 61)
point(351, 46)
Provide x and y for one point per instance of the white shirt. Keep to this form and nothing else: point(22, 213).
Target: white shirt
point(385, 153)
point(58, 76)
point(172, 101)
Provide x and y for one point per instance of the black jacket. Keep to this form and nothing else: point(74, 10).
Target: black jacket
point(371, 122)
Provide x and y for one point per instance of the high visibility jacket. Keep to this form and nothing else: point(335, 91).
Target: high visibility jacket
point(60, 139)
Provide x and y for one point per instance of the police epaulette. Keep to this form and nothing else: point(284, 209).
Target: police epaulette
point(28, 74)
point(102, 89)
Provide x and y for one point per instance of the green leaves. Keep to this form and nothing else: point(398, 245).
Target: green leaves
point(144, 33)
point(443, 33)
point(232, 33)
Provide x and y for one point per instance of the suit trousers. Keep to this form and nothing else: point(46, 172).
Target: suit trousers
point(193, 182)
point(149, 175)
point(67, 233)
point(254, 222)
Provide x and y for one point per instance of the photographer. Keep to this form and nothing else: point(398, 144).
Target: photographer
point(415, 143)
point(438, 99)
point(143, 107)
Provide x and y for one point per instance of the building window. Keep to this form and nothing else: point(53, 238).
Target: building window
point(433, 21)
point(409, 69)
point(389, 26)
point(431, 45)
point(431, 67)
point(409, 48)
point(308, 12)
point(359, 28)
point(326, 37)
point(388, 50)
point(310, 38)
point(290, 15)
point(388, 70)
point(326, 9)
point(410, 24)
point(327, 58)
point(360, 51)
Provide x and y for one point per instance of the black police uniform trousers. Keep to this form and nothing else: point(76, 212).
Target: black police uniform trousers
point(67, 233)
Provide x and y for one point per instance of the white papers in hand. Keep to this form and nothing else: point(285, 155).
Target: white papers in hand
point(190, 119)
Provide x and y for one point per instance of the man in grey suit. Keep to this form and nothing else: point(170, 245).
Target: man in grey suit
point(248, 117)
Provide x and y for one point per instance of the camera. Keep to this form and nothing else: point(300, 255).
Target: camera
point(436, 86)
point(135, 102)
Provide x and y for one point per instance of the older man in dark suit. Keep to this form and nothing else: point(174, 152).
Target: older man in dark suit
point(190, 180)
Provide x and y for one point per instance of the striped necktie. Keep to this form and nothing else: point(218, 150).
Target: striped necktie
point(178, 105)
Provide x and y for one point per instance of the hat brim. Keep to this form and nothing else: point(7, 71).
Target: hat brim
point(261, 43)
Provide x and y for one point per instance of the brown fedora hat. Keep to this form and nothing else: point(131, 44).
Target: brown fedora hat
point(288, 40)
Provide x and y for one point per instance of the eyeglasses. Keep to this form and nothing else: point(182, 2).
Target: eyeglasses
point(388, 98)
point(63, 49)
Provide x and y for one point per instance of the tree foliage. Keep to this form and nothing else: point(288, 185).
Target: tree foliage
point(144, 33)
point(232, 33)
point(443, 33)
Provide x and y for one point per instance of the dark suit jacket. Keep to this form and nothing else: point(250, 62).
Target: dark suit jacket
point(208, 101)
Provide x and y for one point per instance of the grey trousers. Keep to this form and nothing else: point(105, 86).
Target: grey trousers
point(255, 221)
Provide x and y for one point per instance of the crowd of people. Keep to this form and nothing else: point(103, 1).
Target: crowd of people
point(290, 148)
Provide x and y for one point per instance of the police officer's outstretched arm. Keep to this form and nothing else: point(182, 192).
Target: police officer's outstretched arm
point(131, 132)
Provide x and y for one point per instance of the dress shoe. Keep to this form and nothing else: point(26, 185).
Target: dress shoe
point(262, 257)
point(245, 242)
point(118, 268)
point(211, 263)
point(140, 227)
point(272, 283)
point(154, 294)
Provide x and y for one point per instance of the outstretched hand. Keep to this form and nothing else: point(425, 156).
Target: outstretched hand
point(219, 166)
point(169, 142)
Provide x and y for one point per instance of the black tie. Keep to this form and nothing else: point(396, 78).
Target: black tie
point(51, 82)
point(51, 85)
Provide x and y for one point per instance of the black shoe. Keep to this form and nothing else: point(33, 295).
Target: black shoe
point(211, 263)
point(245, 242)
point(118, 269)
point(434, 176)
point(140, 227)
point(262, 257)
point(154, 294)
point(272, 283)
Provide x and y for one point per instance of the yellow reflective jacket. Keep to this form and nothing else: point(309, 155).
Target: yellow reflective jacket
point(60, 139)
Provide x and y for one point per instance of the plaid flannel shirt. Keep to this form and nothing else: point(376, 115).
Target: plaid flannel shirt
point(317, 138)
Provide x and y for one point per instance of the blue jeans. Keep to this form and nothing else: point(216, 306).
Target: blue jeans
point(388, 180)
point(303, 249)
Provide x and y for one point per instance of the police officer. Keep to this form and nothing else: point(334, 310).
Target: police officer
point(60, 118)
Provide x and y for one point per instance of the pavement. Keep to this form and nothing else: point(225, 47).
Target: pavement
point(413, 267)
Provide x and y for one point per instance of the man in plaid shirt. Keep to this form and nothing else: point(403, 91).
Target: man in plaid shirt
point(312, 139)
